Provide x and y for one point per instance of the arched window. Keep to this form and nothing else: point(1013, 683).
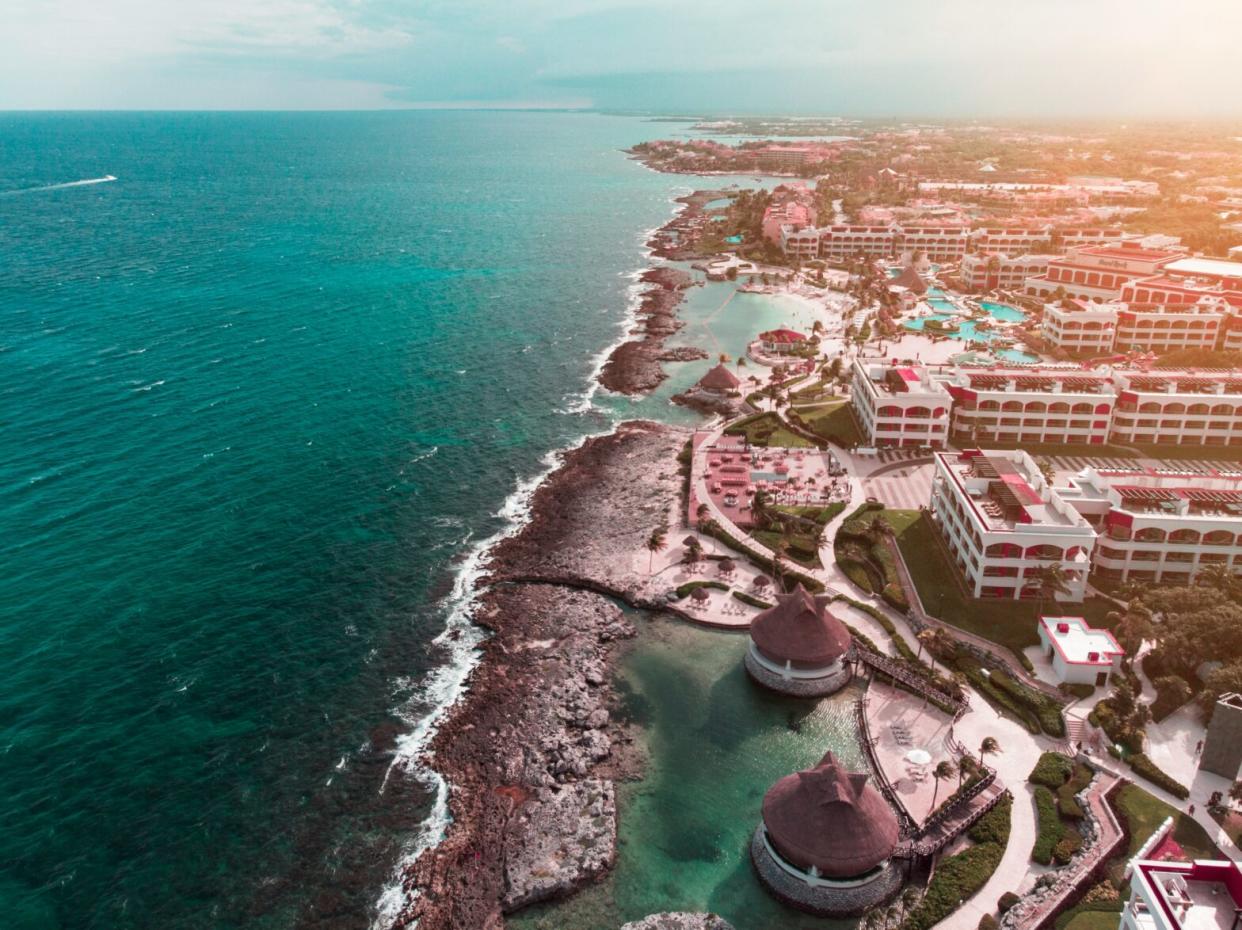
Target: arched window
point(1184, 536)
point(1218, 538)
point(1150, 534)
point(1045, 551)
point(1174, 407)
point(1082, 408)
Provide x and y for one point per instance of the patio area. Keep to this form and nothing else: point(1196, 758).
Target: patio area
point(908, 740)
point(732, 474)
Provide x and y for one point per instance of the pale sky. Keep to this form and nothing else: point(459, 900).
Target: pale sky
point(1127, 58)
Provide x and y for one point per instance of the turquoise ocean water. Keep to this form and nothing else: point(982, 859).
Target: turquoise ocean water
point(259, 396)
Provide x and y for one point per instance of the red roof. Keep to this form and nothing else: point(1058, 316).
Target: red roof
point(830, 818)
point(800, 630)
point(782, 336)
point(720, 379)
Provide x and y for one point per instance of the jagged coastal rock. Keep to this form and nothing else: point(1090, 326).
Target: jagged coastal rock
point(533, 751)
point(634, 366)
point(679, 921)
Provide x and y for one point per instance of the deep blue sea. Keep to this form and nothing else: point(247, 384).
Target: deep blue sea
point(259, 398)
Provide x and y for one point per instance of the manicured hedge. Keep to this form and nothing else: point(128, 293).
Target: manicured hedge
point(1050, 829)
point(791, 577)
point(959, 877)
point(1144, 767)
point(1052, 770)
point(993, 827)
point(683, 590)
point(752, 601)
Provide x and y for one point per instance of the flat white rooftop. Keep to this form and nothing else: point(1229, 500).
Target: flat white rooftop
point(1211, 266)
point(1078, 643)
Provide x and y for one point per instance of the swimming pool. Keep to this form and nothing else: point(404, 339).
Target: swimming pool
point(1013, 355)
point(1002, 312)
point(733, 239)
point(939, 303)
point(767, 476)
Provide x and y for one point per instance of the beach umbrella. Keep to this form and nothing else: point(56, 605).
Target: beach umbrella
point(700, 594)
point(691, 542)
point(727, 566)
point(762, 581)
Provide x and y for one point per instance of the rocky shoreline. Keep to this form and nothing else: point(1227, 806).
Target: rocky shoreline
point(635, 367)
point(534, 749)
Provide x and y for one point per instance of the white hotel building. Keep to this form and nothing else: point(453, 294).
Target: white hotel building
point(985, 271)
point(899, 405)
point(1160, 526)
point(1178, 407)
point(1080, 327)
point(1099, 272)
point(1200, 895)
point(1029, 405)
point(1002, 522)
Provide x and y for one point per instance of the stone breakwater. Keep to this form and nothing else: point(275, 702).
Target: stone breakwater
point(679, 921)
point(533, 750)
point(634, 367)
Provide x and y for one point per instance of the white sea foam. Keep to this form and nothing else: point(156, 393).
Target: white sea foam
point(446, 684)
point(55, 187)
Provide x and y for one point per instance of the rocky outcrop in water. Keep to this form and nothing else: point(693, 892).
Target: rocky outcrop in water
point(679, 921)
point(533, 751)
point(634, 367)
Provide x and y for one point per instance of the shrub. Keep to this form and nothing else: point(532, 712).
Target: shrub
point(993, 827)
point(988, 922)
point(1069, 844)
point(752, 601)
point(1145, 768)
point(1050, 829)
point(1080, 691)
point(683, 590)
point(1172, 692)
point(1007, 900)
point(1052, 770)
point(955, 879)
point(895, 596)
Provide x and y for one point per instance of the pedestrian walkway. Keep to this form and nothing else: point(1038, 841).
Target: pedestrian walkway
point(902, 491)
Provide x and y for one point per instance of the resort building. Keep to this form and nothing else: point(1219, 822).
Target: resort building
point(826, 842)
point(1002, 524)
point(1178, 407)
point(1080, 237)
point(939, 243)
point(1029, 405)
point(842, 243)
point(1080, 654)
point(1012, 238)
point(1222, 744)
point(797, 211)
point(987, 271)
point(781, 341)
point(1080, 327)
point(1166, 328)
point(1213, 270)
point(798, 647)
point(1098, 272)
point(1170, 895)
point(1160, 526)
point(899, 405)
point(1168, 289)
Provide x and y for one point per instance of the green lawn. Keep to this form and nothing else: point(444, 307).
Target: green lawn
point(765, 429)
point(1095, 920)
point(802, 547)
point(1144, 812)
point(835, 422)
point(1005, 622)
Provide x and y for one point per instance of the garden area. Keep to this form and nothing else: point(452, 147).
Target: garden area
point(767, 429)
point(834, 422)
point(861, 550)
point(796, 531)
point(1057, 780)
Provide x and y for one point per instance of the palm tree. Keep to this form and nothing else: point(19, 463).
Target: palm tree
point(966, 766)
point(656, 543)
point(701, 512)
point(1132, 628)
point(988, 747)
point(1051, 580)
point(944, 770)
point(1235, 791)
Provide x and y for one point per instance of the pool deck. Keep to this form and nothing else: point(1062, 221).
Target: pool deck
point(892, 713)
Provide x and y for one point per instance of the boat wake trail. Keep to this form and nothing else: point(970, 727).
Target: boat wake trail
point(55, 187)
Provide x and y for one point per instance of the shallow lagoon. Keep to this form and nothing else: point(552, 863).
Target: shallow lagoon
point(716, 743)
